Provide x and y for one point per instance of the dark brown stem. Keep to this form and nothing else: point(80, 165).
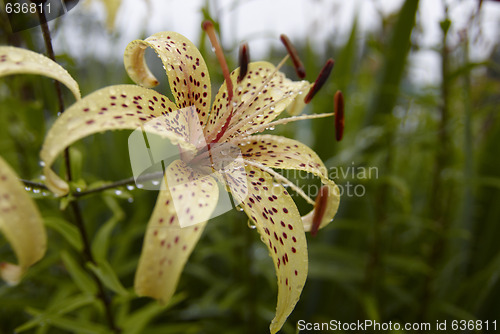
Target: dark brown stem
point(87, 253)
point(120, 183)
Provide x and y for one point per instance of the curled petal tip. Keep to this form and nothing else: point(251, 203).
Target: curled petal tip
point(320, 208)
point(11, 273)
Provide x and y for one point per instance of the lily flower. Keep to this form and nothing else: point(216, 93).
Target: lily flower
point(20, 220)
point(21, 224)
point(244, 106)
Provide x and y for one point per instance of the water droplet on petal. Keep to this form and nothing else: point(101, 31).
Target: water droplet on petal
point(251, 225)
point(27, 188)
point(36, 191)
point(16, 56)
point(155, 182)
point(139, 186)
point(41, 163)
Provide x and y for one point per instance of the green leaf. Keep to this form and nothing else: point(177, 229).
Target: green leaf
point(100, 244)
point(66, 230)
point(137, 321)
point(108, 277)
point(56, 310)
point(394, 63)
point(78, 326)
point(80, 277)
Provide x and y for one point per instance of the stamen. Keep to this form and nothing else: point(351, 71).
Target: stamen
point(234, 128)
point(281, 179)
point(208, 26)
point(319, 209)
point(263, 127)
point(339, 115)
point(209, 29)
point(320, 81)
point(244, 60)
point(299, 67)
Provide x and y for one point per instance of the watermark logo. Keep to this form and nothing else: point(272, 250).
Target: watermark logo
point(26, 14)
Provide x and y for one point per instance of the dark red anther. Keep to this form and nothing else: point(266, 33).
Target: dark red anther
point(244, 60)
point(299, 67)
point(319, 209)
point(320, 81)
point(338, 101)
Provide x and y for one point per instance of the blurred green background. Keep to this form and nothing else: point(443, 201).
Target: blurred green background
point(416, 243)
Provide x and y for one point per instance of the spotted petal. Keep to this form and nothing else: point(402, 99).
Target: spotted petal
point(167, 245)
point(260, 97)
point(112, 108)
point(21, 61)
point(21, 224)
point(284, 153)
point(278, 221)
point(186, 70)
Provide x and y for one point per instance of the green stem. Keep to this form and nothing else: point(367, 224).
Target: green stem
point(79, 222)
point(440, 197)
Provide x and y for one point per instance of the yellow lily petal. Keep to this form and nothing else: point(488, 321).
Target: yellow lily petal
point(21, 224)
point(284, 153)
point(112, 108)
point(259, 98)
point(20, 61)
point(167, 246)
point(186, 70)
point(278, 221)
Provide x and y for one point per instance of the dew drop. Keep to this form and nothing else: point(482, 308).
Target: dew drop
point(59, 113)
point(118, 192)
point(36, 191)
point(16, 56)
point(41, 163)
point(271, 128)
point(239, 208)
point(130, 187)
point(130, 200)
point(78, 189)
point(251, 225)
point(139, 186)
point(27, 188)
point(155, 182)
